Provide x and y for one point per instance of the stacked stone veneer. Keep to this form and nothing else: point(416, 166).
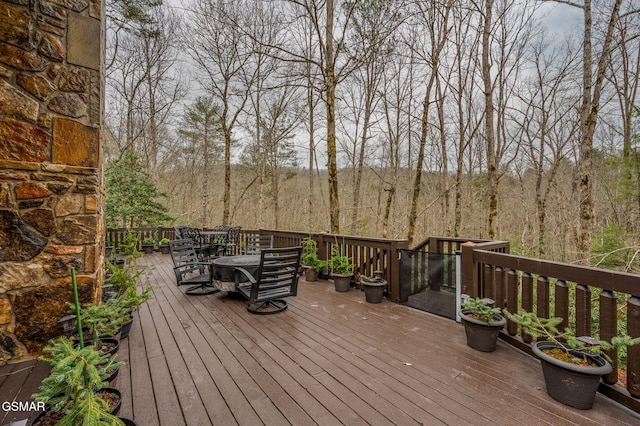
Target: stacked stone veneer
point(50, 175)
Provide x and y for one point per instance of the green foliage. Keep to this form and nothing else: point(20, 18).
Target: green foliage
point(547, 329)
point(76, 375)
point(129, 247)
point(103, 319)
point(339, 263)
point(310, 255)
point(130, 300)
point(164, 241)
point(131, 195)
point(610, 247)
point(480, 310)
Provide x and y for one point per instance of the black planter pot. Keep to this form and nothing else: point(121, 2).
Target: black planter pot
point(164, 249)
point(374, 290)
point(107, 340)
point(310, 274)
point(341, 282)
point(125, 328)
point(114, 410)
point(147, 248)
point(481, 336)
point(571, 384)
point(128, 422)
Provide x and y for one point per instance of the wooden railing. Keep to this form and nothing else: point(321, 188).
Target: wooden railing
point(116, 236)
point(581, 295)
point(368, 254)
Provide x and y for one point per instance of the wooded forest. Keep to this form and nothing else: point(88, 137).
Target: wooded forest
point(502, 119)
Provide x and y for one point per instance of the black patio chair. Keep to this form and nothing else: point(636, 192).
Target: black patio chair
point(276, 278)
point(189, 269)
point(233, 234)
point(255, 244)
point(202, 248)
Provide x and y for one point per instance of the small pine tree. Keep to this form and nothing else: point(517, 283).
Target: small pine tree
point(131, 195)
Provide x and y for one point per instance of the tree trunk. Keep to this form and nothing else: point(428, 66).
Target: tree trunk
point(332, 162)
point(492, 170)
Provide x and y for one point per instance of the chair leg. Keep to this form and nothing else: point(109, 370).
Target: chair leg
point(201, 290)
point(267, 308)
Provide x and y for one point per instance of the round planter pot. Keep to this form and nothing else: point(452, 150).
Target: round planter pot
point(128, 422)
point(571, 384)
point(115, 343)
point(481, 336)
point(374, 290)
point(342, 283)
point(55, 417)
point(164, 249)
point(310, 274)
point(125, 328)
point(115, 409)
point(148, 249)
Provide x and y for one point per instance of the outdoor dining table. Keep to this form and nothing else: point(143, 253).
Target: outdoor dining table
point(223, 270)
point(217, 239)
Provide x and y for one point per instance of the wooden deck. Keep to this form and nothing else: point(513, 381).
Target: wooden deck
point(330, 358)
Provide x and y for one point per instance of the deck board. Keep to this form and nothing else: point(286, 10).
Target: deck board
point(329, 359)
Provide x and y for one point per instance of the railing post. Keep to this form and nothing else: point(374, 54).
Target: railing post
point(633, 352)
point(470, 281)
point(394, 273)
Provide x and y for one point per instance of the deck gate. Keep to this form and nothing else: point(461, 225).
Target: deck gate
point(430, 281)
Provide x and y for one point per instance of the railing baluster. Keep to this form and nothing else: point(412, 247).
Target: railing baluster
point(527, 299)
point(542, 297)
point(583, 310)
point(499, 289)
point(561, 307)
point(488, 282)
point(512, 299)
point(633, 352)
point(609, 329)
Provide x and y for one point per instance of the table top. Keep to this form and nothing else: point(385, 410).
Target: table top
point(240, 260)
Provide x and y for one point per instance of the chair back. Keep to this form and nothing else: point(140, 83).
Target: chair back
point(182, 251)
point(277, 276)
point(256, 244)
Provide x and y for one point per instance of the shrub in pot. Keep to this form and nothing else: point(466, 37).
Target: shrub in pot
point(373, 287)
point(164, 246)
point(310, 261)
point(71, 391)
point(572, 366)
point(482, 323)
point(341, 269)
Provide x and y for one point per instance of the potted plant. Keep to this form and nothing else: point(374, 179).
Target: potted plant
point(164, 245)
point(310, 261)
point(148, 244)
point(341, 269)
point(572, 366)
point(75, 390)
point(482, 323)
point(373, 287)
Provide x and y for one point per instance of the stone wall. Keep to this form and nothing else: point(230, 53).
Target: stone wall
point(51, 215)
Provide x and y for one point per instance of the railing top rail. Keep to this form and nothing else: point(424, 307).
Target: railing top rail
point(610, 280)
point(341, 238)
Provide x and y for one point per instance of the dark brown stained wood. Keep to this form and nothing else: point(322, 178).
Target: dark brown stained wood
point(583, 310)
point(561, 308)
point(633, 352)
point(512, 299)
point(17, 383)
point(609, 329)
point(542, 297)
point(527, 300)
point(329, 359)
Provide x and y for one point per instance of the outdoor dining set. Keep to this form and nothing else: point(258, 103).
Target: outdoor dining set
point(206, 263)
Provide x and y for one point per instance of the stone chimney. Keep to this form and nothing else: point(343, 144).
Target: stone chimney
point(51, 198)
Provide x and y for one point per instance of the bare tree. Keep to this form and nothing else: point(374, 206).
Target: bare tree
point(220, 50)
point(434, 16)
